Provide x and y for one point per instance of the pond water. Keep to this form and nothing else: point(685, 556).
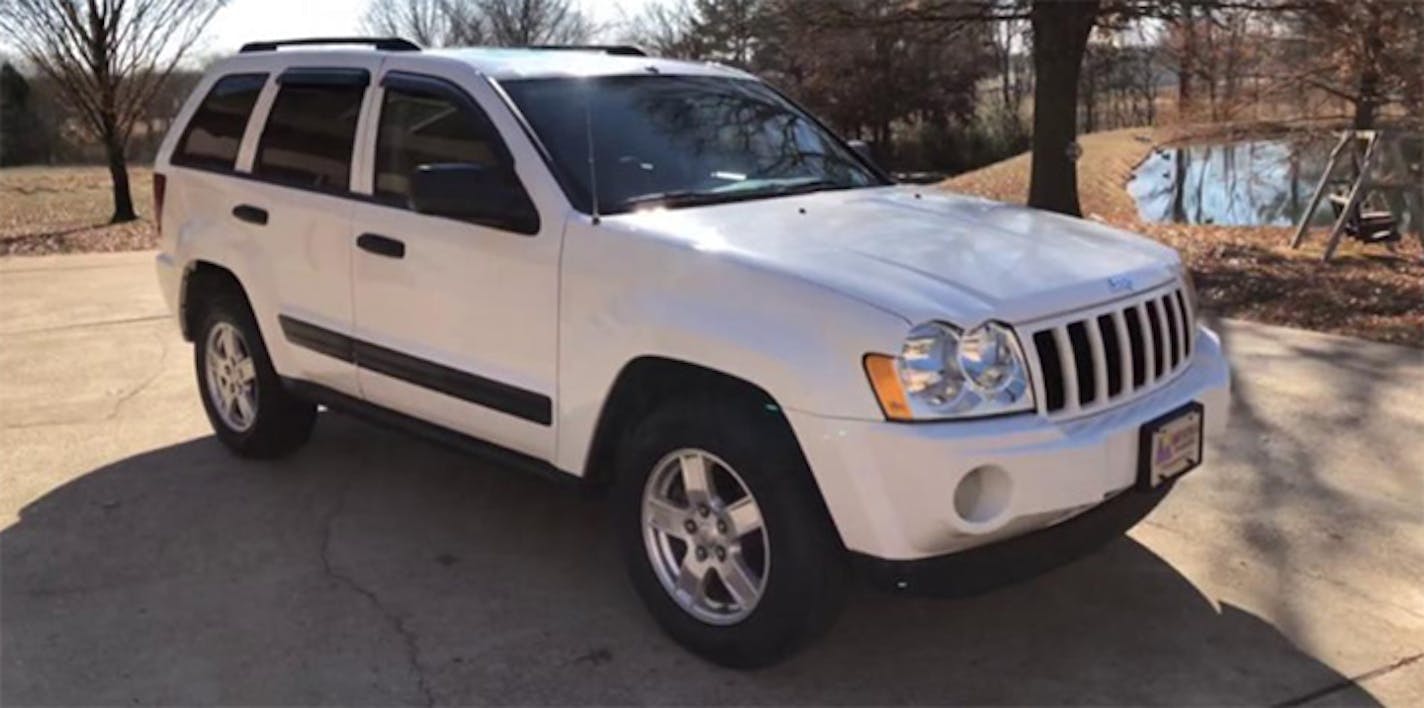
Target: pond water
point(1258, 182)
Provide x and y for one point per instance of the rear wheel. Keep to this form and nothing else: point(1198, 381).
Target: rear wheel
point(724, 533)
point(250, 411)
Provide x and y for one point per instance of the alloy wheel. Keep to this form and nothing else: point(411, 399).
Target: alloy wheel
point(705, 537)
point(231, 376)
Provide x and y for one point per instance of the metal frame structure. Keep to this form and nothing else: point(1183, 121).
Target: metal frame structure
point(1360, 186)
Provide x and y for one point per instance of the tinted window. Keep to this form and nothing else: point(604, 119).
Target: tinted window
point(682, 141)
point(215, 133)
point(418, 129)
point(309, 134)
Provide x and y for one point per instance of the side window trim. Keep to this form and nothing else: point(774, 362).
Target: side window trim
point(305, 77)
point(247, 153)
point(180, 159)
point(325, 76)
point(436, 87)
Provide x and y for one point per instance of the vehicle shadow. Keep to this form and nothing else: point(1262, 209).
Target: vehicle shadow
point(374, 569)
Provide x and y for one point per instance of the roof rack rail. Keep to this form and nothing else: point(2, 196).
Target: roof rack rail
point(621, 50)
point(389, 44)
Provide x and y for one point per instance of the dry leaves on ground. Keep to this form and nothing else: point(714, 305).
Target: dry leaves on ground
point(46, 210)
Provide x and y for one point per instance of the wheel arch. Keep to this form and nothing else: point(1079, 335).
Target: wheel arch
point(646, 382)
point(202, 279)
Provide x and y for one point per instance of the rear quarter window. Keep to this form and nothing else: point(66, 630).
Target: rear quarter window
point(214, 134)
point(309, 136)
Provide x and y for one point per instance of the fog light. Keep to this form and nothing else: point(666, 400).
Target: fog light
point(983, 494)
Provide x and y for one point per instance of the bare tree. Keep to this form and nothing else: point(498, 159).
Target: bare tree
point(665, 28)
point(431, 23)
point(109, 58)
point(525, 22)
point(469, 22)
point(1364, 52)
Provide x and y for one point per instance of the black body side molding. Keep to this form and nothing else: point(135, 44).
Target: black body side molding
point(475, 447)
point(497, 395)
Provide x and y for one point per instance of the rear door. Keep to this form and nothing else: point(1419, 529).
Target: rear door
point(296, 207)
point(456, 321)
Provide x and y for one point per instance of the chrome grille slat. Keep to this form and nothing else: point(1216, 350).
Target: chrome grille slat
point(1164, 342)
point(1069, 367)
point(1174, 318)
point(1176, 301)
point(1149, 345)
point(1126, 356)
point(1075, 351)
point(1100, 362)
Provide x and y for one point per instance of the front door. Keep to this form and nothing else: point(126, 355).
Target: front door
point(456, 321)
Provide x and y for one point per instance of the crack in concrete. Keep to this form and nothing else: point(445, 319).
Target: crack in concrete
point(412, 648)
point(119, 400)
point(1345, 683)
point(84, 325)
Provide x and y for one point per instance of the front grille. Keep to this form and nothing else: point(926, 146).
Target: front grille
point(1091, 360)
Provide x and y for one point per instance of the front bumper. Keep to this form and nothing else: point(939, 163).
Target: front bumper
point(891, 487)
point(987, 567)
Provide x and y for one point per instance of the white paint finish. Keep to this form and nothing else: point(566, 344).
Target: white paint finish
point(890, 487)
point(473, 298)
point(935, 256)
point(629, 293)
point(788, 294)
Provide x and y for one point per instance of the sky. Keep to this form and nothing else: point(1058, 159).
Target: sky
point(246, 20)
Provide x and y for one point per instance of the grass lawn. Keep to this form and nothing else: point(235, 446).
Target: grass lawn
point(1245, 272)
point(67, 209)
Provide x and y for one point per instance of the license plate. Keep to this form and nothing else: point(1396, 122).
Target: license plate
point(1169, 446)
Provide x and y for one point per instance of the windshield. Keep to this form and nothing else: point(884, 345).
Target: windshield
point(677, 141)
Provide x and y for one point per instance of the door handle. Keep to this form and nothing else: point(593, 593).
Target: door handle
point(381, 245)
point(250, 214)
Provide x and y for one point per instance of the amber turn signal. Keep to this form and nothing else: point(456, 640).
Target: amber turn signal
point(886, 383)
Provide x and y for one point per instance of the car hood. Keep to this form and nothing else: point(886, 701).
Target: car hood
point(923, 253)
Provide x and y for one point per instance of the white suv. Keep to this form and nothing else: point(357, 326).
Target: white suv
point(667, 279)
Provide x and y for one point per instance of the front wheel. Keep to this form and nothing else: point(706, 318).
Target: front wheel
point(724, 533)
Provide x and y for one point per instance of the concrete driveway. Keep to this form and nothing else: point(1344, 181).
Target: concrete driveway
point(140, 563)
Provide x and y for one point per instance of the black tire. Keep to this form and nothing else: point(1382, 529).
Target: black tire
point(806, 580)
point(282, 422)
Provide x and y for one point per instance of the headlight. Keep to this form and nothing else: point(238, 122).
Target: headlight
point(942, 372)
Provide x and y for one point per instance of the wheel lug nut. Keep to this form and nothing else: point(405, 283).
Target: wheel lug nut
point(701, 553)
point(721, 527)
point(721, 553)
point(703, 510)
point(691, 526)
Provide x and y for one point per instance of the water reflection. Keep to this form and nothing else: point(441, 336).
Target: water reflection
point(1259, 183)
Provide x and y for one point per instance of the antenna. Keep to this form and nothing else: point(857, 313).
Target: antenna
point(588, 131)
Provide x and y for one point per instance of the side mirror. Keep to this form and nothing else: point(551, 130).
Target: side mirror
point(477, 193)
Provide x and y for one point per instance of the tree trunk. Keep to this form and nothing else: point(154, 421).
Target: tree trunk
point(1060, 38)
point(1368, 104)
point(119, 175)
point(1187, 63)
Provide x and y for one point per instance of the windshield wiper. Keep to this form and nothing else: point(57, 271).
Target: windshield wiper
point(681, 197)
point(693, 197)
